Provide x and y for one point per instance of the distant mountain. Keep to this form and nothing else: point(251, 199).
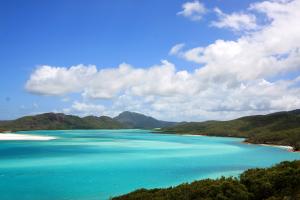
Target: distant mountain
point(103, 122)
point(59, 121)
point(137, 120)
point(281, 128)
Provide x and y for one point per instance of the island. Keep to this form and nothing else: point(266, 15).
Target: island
point(279, 128)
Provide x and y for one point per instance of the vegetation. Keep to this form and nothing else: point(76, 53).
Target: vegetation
point(281, 182)
point(59, 121)
point(137, 120)
point(282, 128)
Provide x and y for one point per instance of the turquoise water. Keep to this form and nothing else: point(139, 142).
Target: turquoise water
point(98, 164)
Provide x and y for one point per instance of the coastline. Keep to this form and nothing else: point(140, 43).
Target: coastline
point(285, 147)
point(24, 137)
point(289, 148)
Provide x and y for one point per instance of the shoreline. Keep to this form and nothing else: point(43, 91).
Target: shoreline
point(285, 147)
point(24, 137)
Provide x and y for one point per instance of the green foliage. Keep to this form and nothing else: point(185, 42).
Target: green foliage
point(137, 120)
point(221, 189)
point(281, 128)
point(281, 181)
point(276, 183)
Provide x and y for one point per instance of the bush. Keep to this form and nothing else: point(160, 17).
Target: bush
point(281, 182)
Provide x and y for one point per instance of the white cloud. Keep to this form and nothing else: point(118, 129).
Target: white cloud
point(193, 10)
point(161, 80)
point(176, 48)
point(235, 21)
point(273, 9)
point(50, 80)
point(234, 78)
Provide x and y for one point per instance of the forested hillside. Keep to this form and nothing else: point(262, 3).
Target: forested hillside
point(282, 128)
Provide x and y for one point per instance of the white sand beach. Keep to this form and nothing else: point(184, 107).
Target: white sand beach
point(15, 136)
point(289, 148)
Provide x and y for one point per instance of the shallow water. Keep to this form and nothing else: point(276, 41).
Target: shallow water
point(98, 164)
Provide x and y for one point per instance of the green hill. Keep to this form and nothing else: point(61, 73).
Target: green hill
point(59, 121)
point(281, 182)
point(103, 122)
point(137, 120)
point(281, 128)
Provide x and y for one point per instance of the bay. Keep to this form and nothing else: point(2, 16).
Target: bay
point(98, 164)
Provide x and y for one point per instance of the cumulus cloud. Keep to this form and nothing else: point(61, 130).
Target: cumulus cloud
point(193, 10)
point(160, 80)
point(50, 80)
point(248, 75)
point(235, 21)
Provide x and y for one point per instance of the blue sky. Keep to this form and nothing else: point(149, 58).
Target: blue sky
point(139, 33)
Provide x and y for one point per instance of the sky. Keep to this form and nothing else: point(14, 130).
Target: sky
point(175, 60)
